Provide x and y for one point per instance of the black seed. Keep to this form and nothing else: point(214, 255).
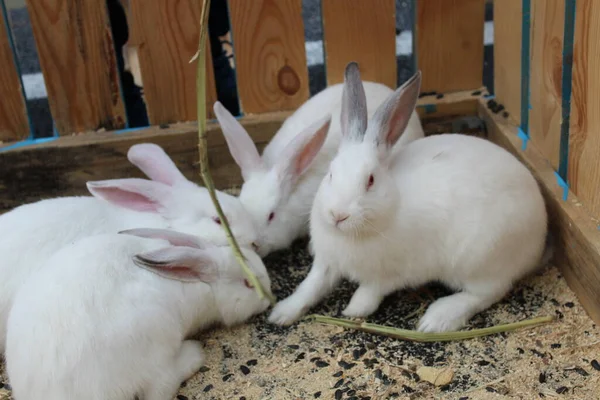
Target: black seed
point(181, 397)
point(476, 93)
point(346, 365)
point(183, 384)
point(407, 389)
point(490, 389)
point(556, 345)
point(338, 374)
point(581, 371)
point(243, 398)
point(321, 364)
point(293, 346)
point(351, 393)
point(300, 357)
point(464, 398)
point(562, 390)
point(338, 384)
point(252, 362)
point(315, 359)
point(596, 365)
point(483, 363)
point(554, 302)
point(365, 398)
point(445, 388)
point(520, 350)
point(317, 395)
point(226, 377)
point(204, 368)
point(352, 398)
point(338, 394)
point(439, 96)
point(505, 114)
point(355, 354)
point(570, 304)
point(245, 370)
point(560, 315)
point(542, 377)
point(378, 374)
point(163, 126)
point(207, 388)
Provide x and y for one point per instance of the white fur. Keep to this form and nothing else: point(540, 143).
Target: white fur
point(267, 190)
point(451, 207)
point(93, 325)
point(32, 232)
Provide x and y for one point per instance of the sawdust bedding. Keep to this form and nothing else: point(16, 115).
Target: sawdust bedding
point(308, 360)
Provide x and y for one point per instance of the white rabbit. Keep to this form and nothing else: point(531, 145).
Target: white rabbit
point(32, 232)
point(452, 208)
point(109, 317)
point(280, 186)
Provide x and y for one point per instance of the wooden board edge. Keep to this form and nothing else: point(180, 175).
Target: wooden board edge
point(456, 103)
point(576, 234)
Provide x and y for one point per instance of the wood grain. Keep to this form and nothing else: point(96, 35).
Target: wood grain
point(14, 123)
point(62, 167)
point(507, 55)
point(270, 60)
point(75, 48)
point(547, 29)
point(364, 32)
point(166, 36)
point(450, 44)
point(575, 232)
point(584, 134)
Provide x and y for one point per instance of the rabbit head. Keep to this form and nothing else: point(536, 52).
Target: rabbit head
point(268, 188)
point(190, 258)
point(358, 194)
point(186, 206)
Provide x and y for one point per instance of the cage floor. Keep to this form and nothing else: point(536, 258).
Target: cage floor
point(307, 360)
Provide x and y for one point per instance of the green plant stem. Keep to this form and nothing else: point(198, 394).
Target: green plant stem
point(414, 336)
point(200, 58)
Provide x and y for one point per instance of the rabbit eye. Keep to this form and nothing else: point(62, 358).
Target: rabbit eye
point(271, 216)
point(248, 284)
point(217, 220)
point(371, 181)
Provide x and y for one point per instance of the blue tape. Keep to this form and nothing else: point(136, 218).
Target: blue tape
point(525, 46)
point(567, 74)
point(429, 108)
point(13, 50)
point(524, 137)
point(563, 184)
point(28, 142)
point(489, 96)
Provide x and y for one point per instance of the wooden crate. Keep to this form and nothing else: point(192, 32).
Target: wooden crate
point(543, 118)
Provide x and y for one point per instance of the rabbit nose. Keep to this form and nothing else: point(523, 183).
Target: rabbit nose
point(339, 217)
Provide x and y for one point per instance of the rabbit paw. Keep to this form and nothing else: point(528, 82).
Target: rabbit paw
point(287, 312)
point(444, 315)
point(364, 302)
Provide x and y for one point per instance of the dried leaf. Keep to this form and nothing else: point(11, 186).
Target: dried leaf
point(437, 376)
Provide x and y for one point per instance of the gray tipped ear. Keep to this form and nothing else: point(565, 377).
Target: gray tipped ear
point(391, 118)
point(242, 148)
point(354, 104)
point(180, 263)
point(173, 237)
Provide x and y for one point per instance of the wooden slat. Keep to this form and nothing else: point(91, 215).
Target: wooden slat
point(575, 233)
point(450, 44)
point(75, 48)
point(14, 123)
point(62, 167)
point(361, 31)
point(584, 134)
point(165, 33)
point(270, 60)
point(547, 29)
point(507, 55)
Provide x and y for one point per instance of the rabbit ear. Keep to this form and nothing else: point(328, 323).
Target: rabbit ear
point(155, 163)
point(240, 144)
point(180, 263)
point(354, 104)
point(392, 117)
point(133, 193)
point(299, 154)
point(173, 237)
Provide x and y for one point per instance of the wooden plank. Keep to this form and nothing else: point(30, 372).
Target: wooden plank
point(575, 233)
point(450, 44)
point(547, 29)
point(63, 166)
point(75, 48)
point(584, 134)
point(507, 55)
point(166, 38)
point(270, 60)
point(14, 123)
point(361, 31)
point(452, 104)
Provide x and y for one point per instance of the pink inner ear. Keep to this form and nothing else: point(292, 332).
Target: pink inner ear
point(130, 200)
